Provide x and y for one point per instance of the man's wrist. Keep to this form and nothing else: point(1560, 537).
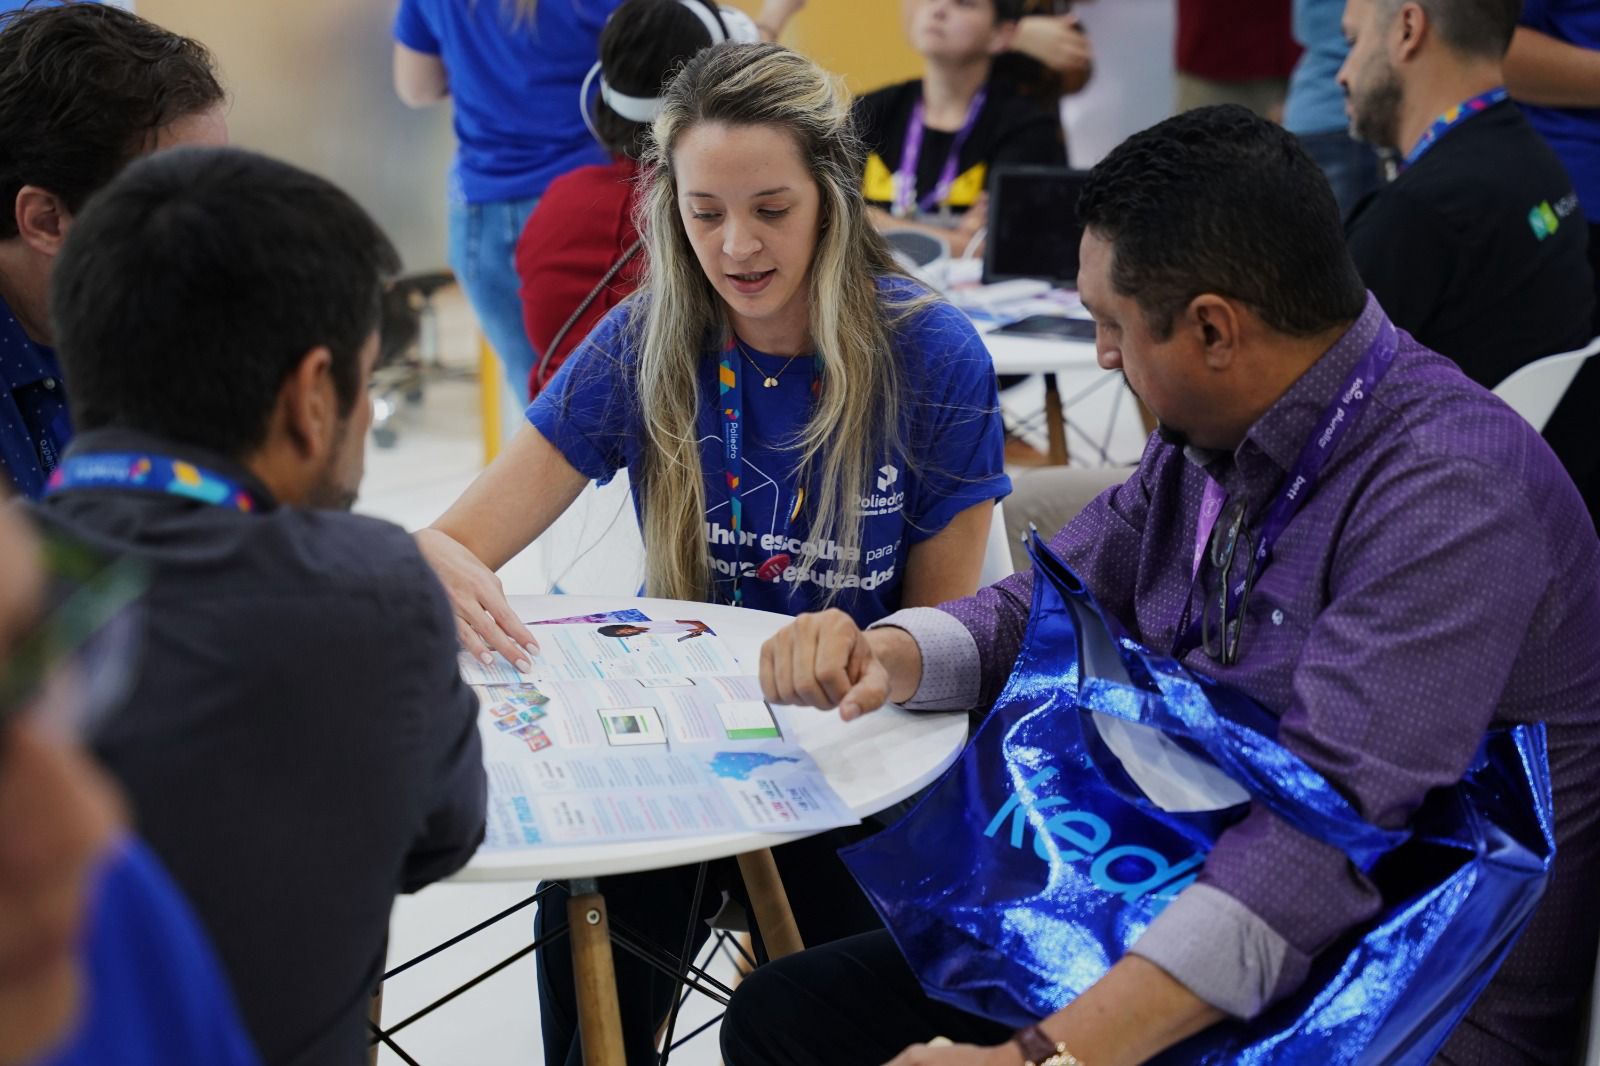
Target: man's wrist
point(901, 657)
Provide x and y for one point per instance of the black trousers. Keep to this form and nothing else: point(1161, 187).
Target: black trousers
point(826, 902)
point(854, 1002)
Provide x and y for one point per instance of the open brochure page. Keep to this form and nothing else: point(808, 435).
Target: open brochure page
point(628, 728)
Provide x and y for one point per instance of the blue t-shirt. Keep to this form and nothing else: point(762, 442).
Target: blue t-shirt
point(155, 994)
point(1574, 132)
point(953, 459)
point(34, 424)
point(514, 87)
point(1316, 102)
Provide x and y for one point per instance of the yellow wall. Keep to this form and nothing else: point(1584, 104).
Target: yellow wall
point(860, 39)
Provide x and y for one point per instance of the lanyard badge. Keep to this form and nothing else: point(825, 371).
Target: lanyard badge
point(730, 388)
point(147, 472)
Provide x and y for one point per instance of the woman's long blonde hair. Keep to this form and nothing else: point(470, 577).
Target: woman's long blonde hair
point(856, 421)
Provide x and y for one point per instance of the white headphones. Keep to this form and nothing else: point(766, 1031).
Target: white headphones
point(722, 23)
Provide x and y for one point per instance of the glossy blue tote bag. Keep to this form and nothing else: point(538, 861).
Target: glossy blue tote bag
point(1089, 799)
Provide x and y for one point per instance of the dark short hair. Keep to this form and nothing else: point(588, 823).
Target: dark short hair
point(1009, 10)
point(1223, 201)
point(84, 87)
point(1473, 27)
point(643, 45)
point(195, 283)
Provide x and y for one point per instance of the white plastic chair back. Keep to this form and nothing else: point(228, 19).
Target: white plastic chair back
point(1534, 390)
point(997, 552)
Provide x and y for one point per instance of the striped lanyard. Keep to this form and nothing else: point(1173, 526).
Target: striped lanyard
point(730, 385)
point(1451, 119)
point(147, 472)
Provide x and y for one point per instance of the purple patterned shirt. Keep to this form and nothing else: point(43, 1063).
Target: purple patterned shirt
point(1443, 576)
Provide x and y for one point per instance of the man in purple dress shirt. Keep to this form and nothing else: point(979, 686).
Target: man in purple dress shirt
point(1441, 576)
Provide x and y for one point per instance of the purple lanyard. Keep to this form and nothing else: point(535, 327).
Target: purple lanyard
point(1453, 118)
point(1298, 485)
point(905, 178)
point(730, 386)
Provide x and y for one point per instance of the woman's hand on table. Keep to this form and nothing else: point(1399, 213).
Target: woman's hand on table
point(485, 622)
point(825, 660)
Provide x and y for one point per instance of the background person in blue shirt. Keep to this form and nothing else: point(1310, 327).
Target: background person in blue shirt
point(1314, 110)
point(863, 403)
point(514, 70)
point(87, 917)
point(84, 88)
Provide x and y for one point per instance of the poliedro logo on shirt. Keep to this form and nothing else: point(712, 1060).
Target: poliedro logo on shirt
point(884, 501)
point(1544, 220)
point(1126, 870)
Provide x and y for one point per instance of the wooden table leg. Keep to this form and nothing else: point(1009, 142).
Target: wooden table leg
point(599, 1020)
point(376, 1014)
point(773, 917)
point(1055, 422)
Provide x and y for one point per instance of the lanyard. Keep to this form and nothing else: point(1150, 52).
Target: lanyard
point(1347, 406)
point(730, 384)
point(905, 178)
point(1451, 119)
point(147, 472)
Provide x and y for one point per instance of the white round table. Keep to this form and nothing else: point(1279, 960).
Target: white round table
point(873, 763)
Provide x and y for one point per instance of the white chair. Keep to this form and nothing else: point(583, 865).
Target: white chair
point(1534, 390)
point(997, 552)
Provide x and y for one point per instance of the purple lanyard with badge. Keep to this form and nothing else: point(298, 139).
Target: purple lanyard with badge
point(905, 177)
point(1341, 414)
point(730, 385)
point(1451, 119)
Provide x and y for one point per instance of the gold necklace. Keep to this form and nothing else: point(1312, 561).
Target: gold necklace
point(768, 381)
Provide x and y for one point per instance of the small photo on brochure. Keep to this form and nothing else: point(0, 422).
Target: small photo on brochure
point(506, 701)
point(748, 720)
point(632, 726)
point(683, 629)
point(534, 737)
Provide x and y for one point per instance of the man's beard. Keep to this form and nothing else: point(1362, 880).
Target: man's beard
point(1375, 111)
point(329, 493)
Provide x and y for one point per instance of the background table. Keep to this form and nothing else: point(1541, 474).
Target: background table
point(873, 763)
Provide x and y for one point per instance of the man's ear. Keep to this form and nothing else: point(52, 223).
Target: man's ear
point(1005, 35)
point(308, 405)
point(1410, 27)
point(1215, 323)
point(42, 219)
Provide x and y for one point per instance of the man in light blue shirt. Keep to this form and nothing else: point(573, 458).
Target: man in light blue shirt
point(1315, 108)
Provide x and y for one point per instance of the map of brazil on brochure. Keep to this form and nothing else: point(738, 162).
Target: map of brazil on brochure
point(628, 728)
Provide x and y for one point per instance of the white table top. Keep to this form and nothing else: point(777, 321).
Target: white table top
point(1016, 354)
point(873, 763)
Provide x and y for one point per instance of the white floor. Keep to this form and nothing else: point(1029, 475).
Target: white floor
point(439, 451)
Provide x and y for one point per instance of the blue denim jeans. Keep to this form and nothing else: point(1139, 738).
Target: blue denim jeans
point(483, 241)
point(1351, 166)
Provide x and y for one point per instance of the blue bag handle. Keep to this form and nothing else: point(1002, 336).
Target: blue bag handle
point(1119, 678)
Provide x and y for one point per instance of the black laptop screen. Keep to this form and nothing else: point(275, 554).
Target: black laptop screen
point(1033, 224)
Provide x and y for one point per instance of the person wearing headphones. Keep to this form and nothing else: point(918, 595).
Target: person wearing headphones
point(514, 70)
point(578, 256)
point(804, 426)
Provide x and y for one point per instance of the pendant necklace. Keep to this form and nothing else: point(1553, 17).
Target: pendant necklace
point(768, 380)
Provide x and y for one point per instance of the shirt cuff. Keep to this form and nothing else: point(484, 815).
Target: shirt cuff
point(950, 663)
point(1220, 950)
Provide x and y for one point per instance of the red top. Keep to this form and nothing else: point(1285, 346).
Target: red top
point(1235, 40)
point(583, 224)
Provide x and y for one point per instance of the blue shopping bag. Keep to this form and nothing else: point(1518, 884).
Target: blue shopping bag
point(1089, 799)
